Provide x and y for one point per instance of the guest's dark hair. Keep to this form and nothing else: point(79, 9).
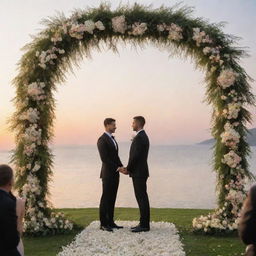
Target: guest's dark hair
point(108, 121)
point(250, 201)
point(140, 120)
point(6, 174)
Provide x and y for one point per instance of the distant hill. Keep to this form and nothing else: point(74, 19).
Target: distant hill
point(251, 138)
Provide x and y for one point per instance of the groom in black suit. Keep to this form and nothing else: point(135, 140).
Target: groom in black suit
point(9, 236)
point(137, 168)
point(108, 149)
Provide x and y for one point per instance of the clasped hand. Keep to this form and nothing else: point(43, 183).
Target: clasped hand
point(123, 170)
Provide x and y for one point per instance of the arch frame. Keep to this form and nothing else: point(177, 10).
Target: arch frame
point(65, 41)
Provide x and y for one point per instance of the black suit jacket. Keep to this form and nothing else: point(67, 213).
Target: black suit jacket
point(247, 222)
point(137, 164)
point(109, 157)
point(9, 236)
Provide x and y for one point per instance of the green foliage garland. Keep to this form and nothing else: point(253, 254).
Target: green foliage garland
point(65, 41)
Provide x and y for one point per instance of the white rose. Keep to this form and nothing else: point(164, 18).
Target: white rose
point(119, 24)
point(99, 25)
point(89, 26)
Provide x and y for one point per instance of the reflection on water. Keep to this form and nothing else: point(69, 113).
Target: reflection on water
point(180, 177)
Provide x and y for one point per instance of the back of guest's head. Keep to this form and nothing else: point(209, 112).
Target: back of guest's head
point(251, 199)
point(140, 120)
point(6, 175)
point(247, 223)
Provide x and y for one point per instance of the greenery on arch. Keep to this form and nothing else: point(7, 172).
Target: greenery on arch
point(65, 41)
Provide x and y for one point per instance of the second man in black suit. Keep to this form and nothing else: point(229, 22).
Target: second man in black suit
point(137, 168)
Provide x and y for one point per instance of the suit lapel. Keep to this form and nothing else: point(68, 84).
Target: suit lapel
point(136, 137)
point(116, 145)
point(138, 134)
point(109, 140)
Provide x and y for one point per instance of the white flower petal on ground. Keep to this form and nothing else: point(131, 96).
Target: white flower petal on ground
point(161, 240)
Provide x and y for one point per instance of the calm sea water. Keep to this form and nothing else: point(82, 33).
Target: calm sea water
point(180, 177)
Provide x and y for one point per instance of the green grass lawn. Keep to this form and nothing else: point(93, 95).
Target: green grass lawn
point(195, 245)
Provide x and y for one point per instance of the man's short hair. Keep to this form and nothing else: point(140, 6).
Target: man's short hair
point(141, 120)
point(108, 121)
point(6, 174)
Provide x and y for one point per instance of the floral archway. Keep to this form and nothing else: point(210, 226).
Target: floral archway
point(65, 41)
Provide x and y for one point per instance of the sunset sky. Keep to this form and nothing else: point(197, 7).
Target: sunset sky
point(168, 91)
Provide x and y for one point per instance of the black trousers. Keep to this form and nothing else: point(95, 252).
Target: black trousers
point(140, 190)
point(108, 200)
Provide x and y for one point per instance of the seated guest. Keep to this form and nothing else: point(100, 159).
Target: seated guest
point(9, 235)
point(247, 224)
